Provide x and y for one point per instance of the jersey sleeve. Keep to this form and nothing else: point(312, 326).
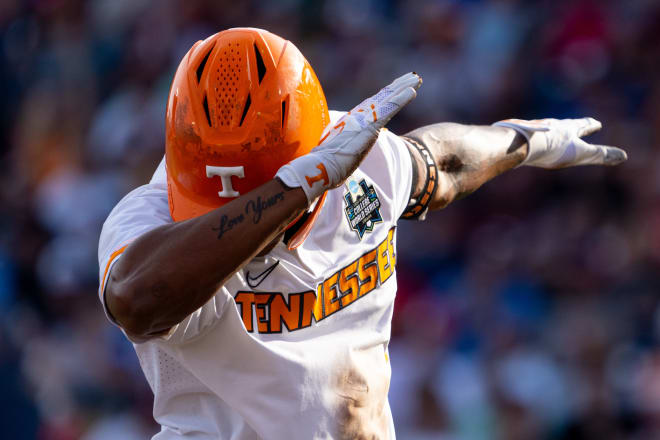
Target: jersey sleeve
point(140, 211)
point(399, 165)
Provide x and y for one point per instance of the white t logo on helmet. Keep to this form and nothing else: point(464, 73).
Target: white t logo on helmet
point(225, 174)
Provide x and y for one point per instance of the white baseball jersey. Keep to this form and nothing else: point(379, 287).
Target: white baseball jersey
point(294, 345)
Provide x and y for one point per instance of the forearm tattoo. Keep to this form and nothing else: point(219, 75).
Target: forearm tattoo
point(253, 210)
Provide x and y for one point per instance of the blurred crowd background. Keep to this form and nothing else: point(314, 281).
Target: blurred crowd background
point(528, 310)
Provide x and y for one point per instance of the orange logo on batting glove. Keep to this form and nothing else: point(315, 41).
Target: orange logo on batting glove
point(339, 126)
point(323, 175)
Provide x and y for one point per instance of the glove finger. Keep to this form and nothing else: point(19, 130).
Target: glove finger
point(587, 126)
point(531, 126)
point(408, 80)
point(385, 94)
point(392, 106)
point(369, 111)
point(590, 154)
point(613, 155)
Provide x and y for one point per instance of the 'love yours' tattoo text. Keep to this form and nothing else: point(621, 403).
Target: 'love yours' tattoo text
point(253, 209)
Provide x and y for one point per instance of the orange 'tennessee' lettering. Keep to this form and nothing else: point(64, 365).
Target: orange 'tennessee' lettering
point(348, 282)
point(368, 272)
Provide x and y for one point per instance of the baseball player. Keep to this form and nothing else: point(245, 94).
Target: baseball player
point(255, 273)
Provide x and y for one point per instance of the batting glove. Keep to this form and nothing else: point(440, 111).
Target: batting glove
point(343, 145)
point(556, 143)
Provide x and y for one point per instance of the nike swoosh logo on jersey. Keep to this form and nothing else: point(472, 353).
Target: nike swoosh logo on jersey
point(261, 277)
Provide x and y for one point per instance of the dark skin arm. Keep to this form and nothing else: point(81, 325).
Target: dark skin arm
point(171, 271)
point(467, 156)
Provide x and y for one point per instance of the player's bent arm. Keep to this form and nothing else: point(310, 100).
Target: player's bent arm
point(466, 156)
point(171, 271)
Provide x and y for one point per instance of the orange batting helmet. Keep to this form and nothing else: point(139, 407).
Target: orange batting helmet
point(243, 103)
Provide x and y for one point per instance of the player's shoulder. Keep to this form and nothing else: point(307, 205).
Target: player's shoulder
point(143, 208)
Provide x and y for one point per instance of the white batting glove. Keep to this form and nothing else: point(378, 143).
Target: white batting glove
point(556, 143)
point(343, 145)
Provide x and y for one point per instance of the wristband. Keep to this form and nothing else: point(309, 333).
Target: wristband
point(418, 207)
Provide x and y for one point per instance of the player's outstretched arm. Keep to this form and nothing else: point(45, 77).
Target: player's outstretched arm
point(171, 271)
point(468, 156)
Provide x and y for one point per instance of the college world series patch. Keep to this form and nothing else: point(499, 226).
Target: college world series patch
point(362, 206)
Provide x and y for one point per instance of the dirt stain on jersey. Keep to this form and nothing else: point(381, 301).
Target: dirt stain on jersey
point(360, 387)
